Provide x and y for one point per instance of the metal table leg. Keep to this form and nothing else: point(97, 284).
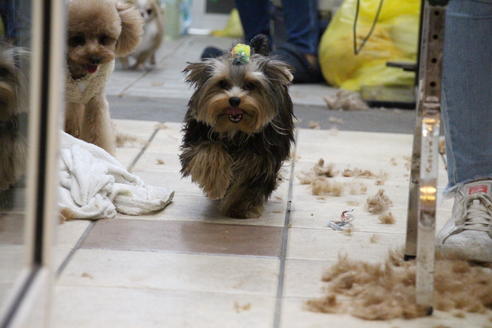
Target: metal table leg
point(423, 181)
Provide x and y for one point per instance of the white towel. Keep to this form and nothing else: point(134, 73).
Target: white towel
point(94, 185)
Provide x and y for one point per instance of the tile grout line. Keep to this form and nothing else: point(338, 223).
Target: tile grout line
point(142, 151)
point(67, 259)
point(285, 239)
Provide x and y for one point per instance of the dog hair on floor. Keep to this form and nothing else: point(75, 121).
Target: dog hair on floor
point(13, 116)
point(153, 34)
point(238, 127)
point(98, 32)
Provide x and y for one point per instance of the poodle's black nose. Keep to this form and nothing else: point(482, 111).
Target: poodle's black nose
point(234, 101)
point(95, 60)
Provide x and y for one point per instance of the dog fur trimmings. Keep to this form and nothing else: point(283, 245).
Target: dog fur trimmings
point(82, 90)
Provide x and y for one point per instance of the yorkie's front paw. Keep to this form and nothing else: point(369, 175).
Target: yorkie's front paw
point(211, 169)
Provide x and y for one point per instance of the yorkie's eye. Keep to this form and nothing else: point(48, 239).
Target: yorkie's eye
point(104, 40)
point(76, 40)
point(149, 11)
point(223, 84)
point(249, 86)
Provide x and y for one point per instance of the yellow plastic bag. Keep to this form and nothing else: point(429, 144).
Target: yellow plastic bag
point(233, 28)
point(394, 38)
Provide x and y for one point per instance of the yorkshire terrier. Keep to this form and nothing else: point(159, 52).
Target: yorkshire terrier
point(152, 37)
point(98, 32)
point(13, 116)
point(239, 127)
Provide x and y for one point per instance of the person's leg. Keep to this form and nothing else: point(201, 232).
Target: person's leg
point(467, 118)
point(301, 47)
point(467, 85)
point(255, 17)
point(302, 24)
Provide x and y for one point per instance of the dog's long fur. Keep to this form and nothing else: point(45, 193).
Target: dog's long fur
point(236, 157)
point(13, 117)
point(98, 32)
point(152, 37)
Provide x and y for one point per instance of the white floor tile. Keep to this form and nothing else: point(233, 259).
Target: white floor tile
point(89, 307)
point(168, 271)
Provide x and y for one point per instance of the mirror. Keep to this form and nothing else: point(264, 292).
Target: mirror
point(15, 18)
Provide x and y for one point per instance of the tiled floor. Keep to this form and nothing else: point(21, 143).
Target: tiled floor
point(190, 267)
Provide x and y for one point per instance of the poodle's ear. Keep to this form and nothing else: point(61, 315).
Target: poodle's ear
point(131, 28)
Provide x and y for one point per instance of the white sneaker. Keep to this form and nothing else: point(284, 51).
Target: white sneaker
point(468, 234)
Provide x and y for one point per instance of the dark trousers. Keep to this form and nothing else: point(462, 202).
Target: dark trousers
point(300, 19)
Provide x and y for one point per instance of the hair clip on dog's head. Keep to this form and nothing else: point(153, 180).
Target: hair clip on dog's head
point(241, 53)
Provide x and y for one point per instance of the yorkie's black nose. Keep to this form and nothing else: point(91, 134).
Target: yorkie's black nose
point(234, 101)
point(95, 60)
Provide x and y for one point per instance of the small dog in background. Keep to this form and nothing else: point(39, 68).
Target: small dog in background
point(13, 117)
point(98, 32)
point(152, 37)
point(238, 127)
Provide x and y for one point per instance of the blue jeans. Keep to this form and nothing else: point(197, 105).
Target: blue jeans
point(467, 91)
point(300, 17)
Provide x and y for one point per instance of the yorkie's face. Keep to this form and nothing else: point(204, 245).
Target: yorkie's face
point(12, 82)
point(93, 30)
point(7, 88)
point(233, 97)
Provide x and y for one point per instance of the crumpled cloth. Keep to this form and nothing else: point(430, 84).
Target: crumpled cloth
point(94, 185)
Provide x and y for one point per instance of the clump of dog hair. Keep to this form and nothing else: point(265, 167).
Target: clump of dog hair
point(319, 170)
point(345, 100)
point(407, 162)
point(336, 120)
point(357, 188)
point(327, 171)
point(160, 161)
point(348, 173)
point(347, 232)
point(384, 291)
point(323, 186)
point(365, 174)
point(374, 239)
point(241, 308)
point(123, 139)
point(459, 314)
point(387, 218)
point(378, 203)
point(314, 125)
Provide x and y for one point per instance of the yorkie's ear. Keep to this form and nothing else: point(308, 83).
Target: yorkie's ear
point(131, 28)
point(197, 73)
point(278, 71)
point(260, 45)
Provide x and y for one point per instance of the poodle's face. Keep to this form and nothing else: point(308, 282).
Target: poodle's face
point(98, 31)
point(148, 9)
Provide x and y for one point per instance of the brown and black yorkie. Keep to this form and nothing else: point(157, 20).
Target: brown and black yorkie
point(238, 127)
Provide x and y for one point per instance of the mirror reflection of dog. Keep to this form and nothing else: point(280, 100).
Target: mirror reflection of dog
point(238, 127)
point(152, 37)
point(98, 32)
point(13, 117)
